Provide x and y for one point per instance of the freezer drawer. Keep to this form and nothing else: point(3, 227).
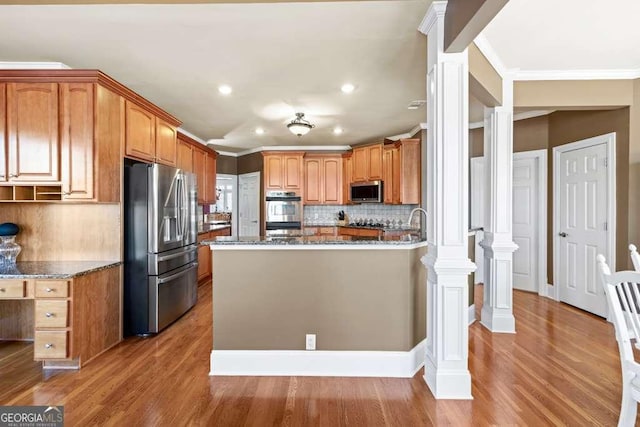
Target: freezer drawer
point(163, 262)
point(171, 295)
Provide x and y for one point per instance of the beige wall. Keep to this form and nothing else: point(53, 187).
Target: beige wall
point(465, 19)
point(573, 94)
point(530, 134)
point(227, 165)
point(351, 299)
point(484, 81)
point(66, 232)
point(634, 166)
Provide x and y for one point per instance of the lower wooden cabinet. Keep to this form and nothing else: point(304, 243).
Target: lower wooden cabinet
point(360, 232)
point(70, 321)
point(205, 263)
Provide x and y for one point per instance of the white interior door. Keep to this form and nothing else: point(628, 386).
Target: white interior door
point(582, 226)
point(249, 204)
point(525, 224)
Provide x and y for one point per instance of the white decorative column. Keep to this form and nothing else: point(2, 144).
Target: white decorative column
point(497, 304)
point(446, 363)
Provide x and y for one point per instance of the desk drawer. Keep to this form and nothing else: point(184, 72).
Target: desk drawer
point(50, 345)
point(51, 313)
point(52, 288)
point(12, 289)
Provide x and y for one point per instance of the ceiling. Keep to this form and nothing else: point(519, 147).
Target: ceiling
point(279, 58)
point(567, 35)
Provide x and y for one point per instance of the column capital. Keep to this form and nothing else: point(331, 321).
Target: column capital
point(435, 12)
point(454, 266)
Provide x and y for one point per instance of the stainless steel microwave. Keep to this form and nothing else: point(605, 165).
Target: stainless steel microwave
point(367, 192)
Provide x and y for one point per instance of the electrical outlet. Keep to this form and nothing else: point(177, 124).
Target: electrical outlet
point(311, 342)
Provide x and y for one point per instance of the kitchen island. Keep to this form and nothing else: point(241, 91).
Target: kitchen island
point(363, 299)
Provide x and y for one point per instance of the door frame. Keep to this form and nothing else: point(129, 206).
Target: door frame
point(541, 160)
point(258, 204)
point(234, 200)
point(609, 140)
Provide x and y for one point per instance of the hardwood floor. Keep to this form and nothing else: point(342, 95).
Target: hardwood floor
point(561, 368)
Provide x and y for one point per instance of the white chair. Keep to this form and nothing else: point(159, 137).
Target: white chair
point(635, 257)
point(623, 294)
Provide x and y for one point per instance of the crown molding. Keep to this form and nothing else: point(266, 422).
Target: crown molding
point(489, 52)
point(10, 65)
point(286, 148)
point(436, 11)
point(621, 74)
point(192, 136)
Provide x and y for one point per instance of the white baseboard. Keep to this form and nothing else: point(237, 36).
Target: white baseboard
point(398, 364)
point(472, 313)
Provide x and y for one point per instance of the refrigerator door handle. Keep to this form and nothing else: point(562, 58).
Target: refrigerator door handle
point(180, 274)
point(172, 256)
point(185, 207)
point(178, 204)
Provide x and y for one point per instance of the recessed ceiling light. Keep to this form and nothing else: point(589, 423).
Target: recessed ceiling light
point(225, 89)
point(259, 131)
point(337, 130)
point(347, 88)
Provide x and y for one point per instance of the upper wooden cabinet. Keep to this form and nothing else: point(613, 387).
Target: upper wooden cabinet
point(32, 120)
point(323, 179)
point(367, 163)
point(347, 174)
point(3, 122)
point(166, 144)
point(283, 171)
point(402, 172)
point(195, 157)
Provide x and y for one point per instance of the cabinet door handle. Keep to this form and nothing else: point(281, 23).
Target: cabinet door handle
point(48, 290)
point(48, 346)
point(49, 314)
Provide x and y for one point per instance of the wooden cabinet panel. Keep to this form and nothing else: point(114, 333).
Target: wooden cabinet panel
point(3, 133)
point(409, 171)
point(361, 232)
point(51, 288)
point(387, 175)
point(374, 162)
point(140, 139)
point(332, 182)
point(210, 179)
point(165, 143)
point(204, 258)
point(200, 169)
point(32, 120)
point(313, 181)
point(51, 313)
point(50, 345)
point(273, 172)
point(359, 164)
point(293, 172)
point(76, 140)
point(12, 289)
point(347, 173)
point(184, 159)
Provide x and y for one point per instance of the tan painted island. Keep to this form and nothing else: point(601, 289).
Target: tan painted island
point(362, 298)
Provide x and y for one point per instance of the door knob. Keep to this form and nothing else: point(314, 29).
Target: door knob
point(562, 234)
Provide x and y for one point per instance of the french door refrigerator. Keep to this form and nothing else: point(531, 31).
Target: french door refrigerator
point(160, 230)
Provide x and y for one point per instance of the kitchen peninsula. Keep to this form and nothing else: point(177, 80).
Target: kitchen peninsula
point(358, 301)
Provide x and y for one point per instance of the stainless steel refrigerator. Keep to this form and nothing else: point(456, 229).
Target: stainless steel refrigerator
point(160, 230)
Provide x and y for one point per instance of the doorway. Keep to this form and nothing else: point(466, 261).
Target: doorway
point(249, 204)
point(227, 198)
point(583, 220)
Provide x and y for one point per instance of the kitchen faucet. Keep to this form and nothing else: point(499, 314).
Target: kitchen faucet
point(411, 217)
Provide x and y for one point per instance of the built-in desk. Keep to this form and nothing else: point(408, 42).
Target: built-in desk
point(70, 310)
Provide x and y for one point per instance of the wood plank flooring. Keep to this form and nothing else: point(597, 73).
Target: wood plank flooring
point(561, 368)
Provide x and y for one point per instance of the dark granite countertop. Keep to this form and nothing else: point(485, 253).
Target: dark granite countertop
point(406, 239)
point(53, 269)
point(212, 227)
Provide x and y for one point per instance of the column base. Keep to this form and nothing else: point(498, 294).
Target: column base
point(496, 321)
point(447, 383)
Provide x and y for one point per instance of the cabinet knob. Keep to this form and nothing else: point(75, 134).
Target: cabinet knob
point(48, 290)
point(49, 314)
point(48, 346)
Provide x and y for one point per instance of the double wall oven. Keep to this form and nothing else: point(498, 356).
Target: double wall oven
point(283, 214)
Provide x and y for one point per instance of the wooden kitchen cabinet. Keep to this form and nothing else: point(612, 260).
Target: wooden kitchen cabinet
point(184, 159)
point(360, 232)
point(323, 179)
point(347, 177)
point(367, 163)
point(166, 143)
point(140, 138)
point(33, 148)
point(205, 262)
point(3, 133)
point(283, 171)
point(210, 179)
point(402, 172)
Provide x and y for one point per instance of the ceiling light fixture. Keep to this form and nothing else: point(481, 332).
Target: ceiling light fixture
point(299, 126)
point(347, 88)
point(259, 131)
point(337, 130)
point(225, 89)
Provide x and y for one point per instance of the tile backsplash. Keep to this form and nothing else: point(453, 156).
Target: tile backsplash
point(374, 211)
